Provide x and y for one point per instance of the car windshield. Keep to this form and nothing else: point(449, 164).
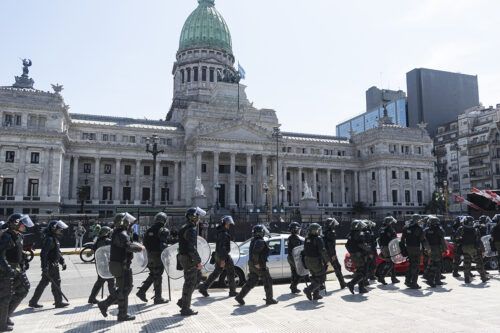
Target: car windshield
point(245, 248)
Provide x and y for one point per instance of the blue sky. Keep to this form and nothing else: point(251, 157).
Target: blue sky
point(311, 61)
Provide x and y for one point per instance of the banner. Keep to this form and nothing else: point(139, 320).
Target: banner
point(460, 199)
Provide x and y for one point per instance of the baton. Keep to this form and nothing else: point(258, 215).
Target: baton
point(169, 292)
point(57, 286)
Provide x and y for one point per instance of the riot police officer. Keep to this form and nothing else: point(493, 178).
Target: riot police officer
point(51, 258)
point(155, 241)
point(293, 241)
point(102, 240)
point(223, 260)
point(434, 235)
point(412, 243)
point(122, 252)
point(330, 239)
point(495, 237)
point(14, 284)
point(189, 259)
point(470, 240)
point(359, 249)
point(386, 235)
point(457, 253)
point(257, 265)
point(372, 254)
point(316, 259)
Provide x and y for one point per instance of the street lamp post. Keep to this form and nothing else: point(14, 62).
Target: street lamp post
point(217, 188)
point(277, 135)
point(282, 190)
point(153, 142)
point(265, 187)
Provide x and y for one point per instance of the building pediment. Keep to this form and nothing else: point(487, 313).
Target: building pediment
point(235, 131)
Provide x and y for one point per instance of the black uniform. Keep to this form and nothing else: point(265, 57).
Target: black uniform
point(189, 259)
point(155, 241)
point(470, 240)
point(100, 242)
point(457, 253)
point(495, 238)
point(122, 252)
point(14, 284)
point(293, 242)
point(412, 242)
point(371, 255)
point(316, 259)
point(435, 238)
point(386, 235)
point(330, 239)
point(359, 249)
point(51, 258)
point(222, 254)
point(257, 265)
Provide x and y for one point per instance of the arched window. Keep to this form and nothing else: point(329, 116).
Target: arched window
point(212, 74)
point(204, 74)
point(195, 74)
point(182, 76)
point(188, 70)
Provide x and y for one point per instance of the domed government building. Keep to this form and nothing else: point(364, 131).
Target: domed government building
point(244, 160)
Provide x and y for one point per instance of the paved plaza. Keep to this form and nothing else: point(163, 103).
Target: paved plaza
point(453, 308)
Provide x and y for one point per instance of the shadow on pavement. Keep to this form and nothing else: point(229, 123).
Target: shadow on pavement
point(162, 324)
point(416, 292)
point(242, 310)
point(208, 300)
point(29, 310)
point(475, 286)
point(307, 305)
point(356, 298)
point(389, 287)
point(287, 297)
point(89, 326)
point(77, 309)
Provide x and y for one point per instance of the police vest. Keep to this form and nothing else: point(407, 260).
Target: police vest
point(119, 253)
point(413, 235)
point(469, 236)
point(14, 254)
point(434, 236)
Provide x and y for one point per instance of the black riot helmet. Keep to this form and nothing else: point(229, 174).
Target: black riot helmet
point(161, 217)
point(259, 230)
point(468, 221)
point(389, 220)
point(228, 219)
point(123, 220)
point(56, 227)
point(193, 214)
point(331, 223)
point(15, 221)
point(105, 231)
point(294, 228)
point(433, 221)
point(314, 229)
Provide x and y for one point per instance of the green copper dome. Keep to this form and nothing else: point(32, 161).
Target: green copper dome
point(205, 27)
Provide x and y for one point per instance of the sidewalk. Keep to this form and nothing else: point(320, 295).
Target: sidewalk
point(392, 308)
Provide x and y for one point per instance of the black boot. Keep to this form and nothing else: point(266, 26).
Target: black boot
point(160, 300)
point(188, 312)
point(381, 280)
point(127, 317)
point(203, 291)
point(239, 299)
point(362, 289)
point(271, 301)
point(103, 307)
point(308, 293)
point(61, 305)
point(141, 294)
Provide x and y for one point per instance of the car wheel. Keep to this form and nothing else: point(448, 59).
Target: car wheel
point(239, 278)
point(87, 254)
point(493, 263)
point(447, 266)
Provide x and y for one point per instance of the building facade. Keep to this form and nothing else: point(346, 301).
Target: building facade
point(437, 97)
point(468, 153)
point(65, 162)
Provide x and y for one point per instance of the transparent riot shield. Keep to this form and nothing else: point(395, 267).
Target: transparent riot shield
point(488, 252)
point(139, 262)
point(297, 258)
point(169, 257)
point(395, 252)
point(102, 256)
point(234, 253)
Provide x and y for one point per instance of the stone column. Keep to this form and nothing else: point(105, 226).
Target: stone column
point(97, 173)
point(176, 182)
point(413, 180)
point(356, 190)
point(301, 184)
point(216, 176)
point(118, 172)
point(157, 181)
point(315, 184)
point(382, 186)
point(48, 167)
point(249, 203)
point(328, 186)
point(198, 165)
point(401, 186)
point(342, 187)
point(75, 178)
point(264, 178)
point(21, 176)
point(285, 184)
point(232, 181)
point(137, 192)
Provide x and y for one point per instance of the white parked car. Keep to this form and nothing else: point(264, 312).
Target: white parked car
point(277, 261)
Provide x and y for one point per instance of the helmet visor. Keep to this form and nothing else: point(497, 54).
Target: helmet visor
point(129, 218)
point(26, 220)
point(61, 225)
point(200, 212)
point(228, 220)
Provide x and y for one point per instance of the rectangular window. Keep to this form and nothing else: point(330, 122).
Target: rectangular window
point(127, 169)
point(87, 168)
point(407, 197)
point(394, 196)
point(9, 156)
point(188, 74)
point(127, 194)
point(419, 150)
point(147, 170)
point(288, 176)
point(35, 158)
point(7, 120)
point(107, 169)
point(165, 171)
point(105, 137)
point(303, 176)
point(32, 187)
point(407, 174)
point(146, 194)
point(165, 194)
point(224, 169)
point(32, 121)
point(419, 175)
point(107, 193)
point(41, 122)
point(212, 74)
point(373, 175)
point(394, 174)
point(195, 74)
point(8, 187)
point(112, 137)
point(374, 197)
point(204, 74)
point(203, 168)
point(18, 120)
point(88, 136)
point(420, 197)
